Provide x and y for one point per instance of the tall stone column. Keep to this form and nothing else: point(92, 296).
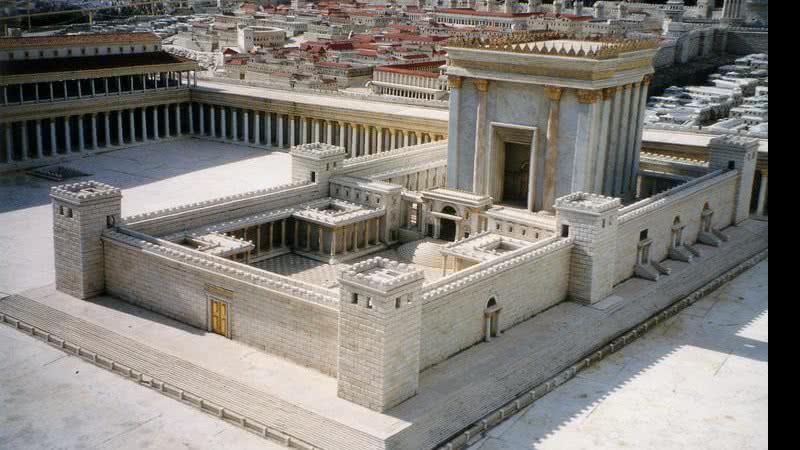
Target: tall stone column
point(257, 128)
point(167, 132)
point(212, 120)
point(144, 124)
point(81, 140)
point(53, 140)
point(178, 130)
point(39, 143)
point(67, 136)
point(587, 139)
point(367, 140)
point(379, 148)
point(645, 85)
point(131, 125)
point(235, 124)
point(268, 129)
point(120, 136)
point(317, 130)
point(353, 140)
point(623, 141)
point(613, 146)
point(291, 131)
point(342, 141)
point(223, 125)
point(246, 126)
point(25, 147)
point(190, 109)
point(8, 140)
point(329, 132)
point(392, 139)
point(303, 130)
point(107, 128)
point(201, 108)
point(279, 130)
point(602, 146)
point(551, 157)
point(155, 123)
point(93, 127)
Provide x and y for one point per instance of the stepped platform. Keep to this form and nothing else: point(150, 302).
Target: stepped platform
point(271, 396)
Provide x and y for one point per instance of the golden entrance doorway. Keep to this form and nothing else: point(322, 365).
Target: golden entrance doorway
point(219, 317)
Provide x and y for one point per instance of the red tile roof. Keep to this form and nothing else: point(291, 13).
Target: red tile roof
point(79, 39)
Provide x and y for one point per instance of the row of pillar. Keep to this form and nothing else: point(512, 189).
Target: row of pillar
point(51, 91)
point(40, 138)
point(367, 232)
point(285, 130)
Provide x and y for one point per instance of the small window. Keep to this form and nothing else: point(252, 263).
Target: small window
point(497, 226)
point(369, 303)
point(110, 221)
point(61, 210)
point(27, 54)
point(603, 225)
point(378, 200)
point(69, 212)
point(69, 52)
point(83, 51)
point(731, 165)
point(510, 229)
point(41, 54)
point(643, 235)
point(96, 51)
point(524, 231)
point(564, 230)
point(313, 176)
point(327, 167)
point(354, 299)
point(397, 302)
point(10, 55)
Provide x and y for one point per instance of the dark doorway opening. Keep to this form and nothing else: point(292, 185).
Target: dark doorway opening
point(516, 173)
point(447, 231)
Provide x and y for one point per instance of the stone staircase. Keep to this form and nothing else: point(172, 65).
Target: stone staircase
point(252, 409)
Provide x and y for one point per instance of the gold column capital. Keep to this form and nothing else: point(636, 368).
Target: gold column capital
point(553, 92)
point(481, 85)
point(647, 79)
point(608, 93)
point(454, 81)
point(588, 95)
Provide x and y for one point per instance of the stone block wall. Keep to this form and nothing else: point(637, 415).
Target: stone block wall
point(301, 331)
point(740, 42)
point(454, 321)
point(656, 215)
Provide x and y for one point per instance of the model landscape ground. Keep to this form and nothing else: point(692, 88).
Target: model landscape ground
point(182, 175)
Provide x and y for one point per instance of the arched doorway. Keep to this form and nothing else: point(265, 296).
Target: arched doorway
point(447, 228)
point(491, 319)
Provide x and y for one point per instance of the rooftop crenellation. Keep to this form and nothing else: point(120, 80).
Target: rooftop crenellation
point(382, 273)
point(85, 190)
point(556, 44)
point(318, 150)
point(585, 201)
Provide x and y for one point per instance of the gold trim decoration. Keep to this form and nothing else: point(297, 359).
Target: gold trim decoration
point(588, 95)
point(535, 42)
point(219, 292)
point(608, 93)
point(553, 92)
point(647, 79)
point(454, 81)
point(481, 85)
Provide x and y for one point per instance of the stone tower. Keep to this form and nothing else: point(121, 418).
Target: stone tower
point(730, 152)
point(592, 220)
point(81, 212)
point(558, 115)
point(379, 333)
point(316, 162)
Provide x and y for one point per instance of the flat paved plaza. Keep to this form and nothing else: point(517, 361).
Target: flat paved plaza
point(699, 380)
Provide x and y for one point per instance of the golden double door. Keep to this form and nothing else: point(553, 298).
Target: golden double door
point(219, 317)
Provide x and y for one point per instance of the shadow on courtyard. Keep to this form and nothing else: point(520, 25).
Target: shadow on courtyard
point(717, 323)
point(128, 168)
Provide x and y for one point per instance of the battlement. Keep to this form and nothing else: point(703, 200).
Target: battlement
point(734, 141)
point(587, 202)
point(382, 274)
point(318, 150)
point(84, 191)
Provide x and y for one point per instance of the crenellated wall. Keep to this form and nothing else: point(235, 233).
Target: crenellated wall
point(541, 271)
point(657, 215)
point(263, 308)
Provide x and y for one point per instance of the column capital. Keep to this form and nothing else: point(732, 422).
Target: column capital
point(481, 85)
point(553, 92)
point(647, 79)
point(608, 93)
point(454, 81)
point(588, 95)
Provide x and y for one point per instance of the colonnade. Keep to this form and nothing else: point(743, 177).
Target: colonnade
point(76, 89)
point(267, 238)
point(331, 241)
point(75, 133)
point(275, 129)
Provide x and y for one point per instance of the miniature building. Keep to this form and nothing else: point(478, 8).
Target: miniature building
point(373, 266)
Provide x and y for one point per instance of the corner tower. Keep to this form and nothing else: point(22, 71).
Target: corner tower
point(81, 212)
point(541, 115)
point(379, 333)
point(316, 162)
